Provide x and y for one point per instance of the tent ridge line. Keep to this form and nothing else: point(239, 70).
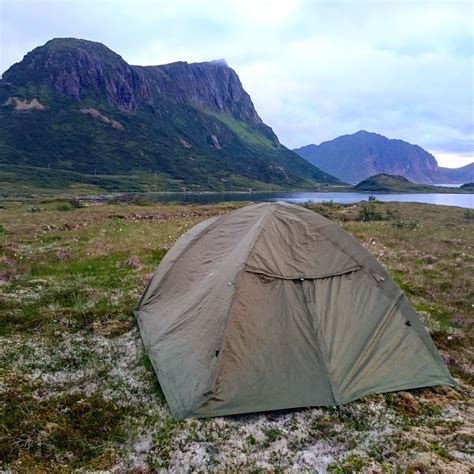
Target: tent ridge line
point(213, 378)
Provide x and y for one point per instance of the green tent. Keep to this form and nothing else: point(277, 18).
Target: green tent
point(273, 306)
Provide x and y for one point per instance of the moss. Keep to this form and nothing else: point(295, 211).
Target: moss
point(412, 411)
point(355, 419)
point(43, 431)
point(162, 441)
point(272, 434)
point(352, 444)
point(408, 287)
point(251, 440)
point(324, 426)
point(348, 465)
point(440, 450)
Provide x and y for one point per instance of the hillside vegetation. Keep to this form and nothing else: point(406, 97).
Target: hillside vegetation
point(385, 183)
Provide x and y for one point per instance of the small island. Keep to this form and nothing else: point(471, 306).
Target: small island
point(386, 183)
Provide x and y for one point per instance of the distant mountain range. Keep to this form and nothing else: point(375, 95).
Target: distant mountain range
point(353, 158)
point(464, 174)
point(76, 106)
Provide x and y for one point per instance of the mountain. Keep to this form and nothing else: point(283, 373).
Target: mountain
point(74, 105)
point(458, 175)
point(363, 154)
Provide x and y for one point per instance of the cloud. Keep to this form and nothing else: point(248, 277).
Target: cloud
point(314, 69)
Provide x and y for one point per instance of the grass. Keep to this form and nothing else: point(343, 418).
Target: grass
point(78, 391)
point(245, 132)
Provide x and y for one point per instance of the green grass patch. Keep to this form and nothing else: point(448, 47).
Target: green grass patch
point(409, 288)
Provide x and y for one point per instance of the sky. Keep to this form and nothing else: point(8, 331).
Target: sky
point(315, 69)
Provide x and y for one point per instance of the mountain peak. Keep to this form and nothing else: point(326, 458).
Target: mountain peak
point(364, 134)
point(219, 62)
point(72, 43)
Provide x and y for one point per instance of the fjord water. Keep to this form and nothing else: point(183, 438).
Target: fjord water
point(461, 200)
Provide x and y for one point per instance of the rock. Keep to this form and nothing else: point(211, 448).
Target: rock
point(63, 254)
point(147, 278)
point(6, 276)
point(23, 105)
point(133, 262)
point(459, 322)
point(447, 359)
point(186, 145)
point(429, 259)
point(95, 114)
point(215, 142)
point(4, 260)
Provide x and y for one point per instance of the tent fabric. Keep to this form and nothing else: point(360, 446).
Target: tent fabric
point(273, 306)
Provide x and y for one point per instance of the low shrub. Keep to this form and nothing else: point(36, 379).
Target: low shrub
point(368, 212)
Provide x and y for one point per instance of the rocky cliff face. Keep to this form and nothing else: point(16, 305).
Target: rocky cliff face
point(356, 157)
point(212, 85)
point(80, 68)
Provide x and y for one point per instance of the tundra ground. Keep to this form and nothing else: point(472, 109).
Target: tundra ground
point(77, 390)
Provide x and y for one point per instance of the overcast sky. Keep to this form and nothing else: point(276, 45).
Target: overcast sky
point(315, 69)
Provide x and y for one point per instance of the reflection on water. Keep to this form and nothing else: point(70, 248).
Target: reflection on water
point(461, 200)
